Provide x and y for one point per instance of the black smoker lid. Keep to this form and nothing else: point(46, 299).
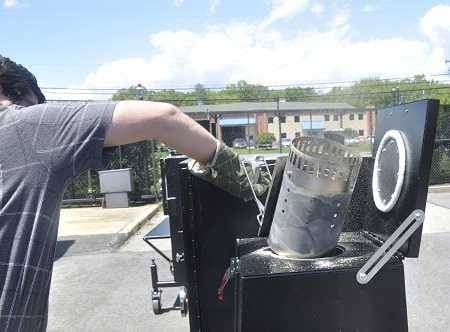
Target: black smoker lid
point(416, 122)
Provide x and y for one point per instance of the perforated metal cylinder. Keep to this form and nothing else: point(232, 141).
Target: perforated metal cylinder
point(317, 185)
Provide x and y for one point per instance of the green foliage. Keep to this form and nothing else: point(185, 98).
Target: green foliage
point(370, 92)
point(350, 133)
point(265, 139)
point(374, 92)
point(143, 159)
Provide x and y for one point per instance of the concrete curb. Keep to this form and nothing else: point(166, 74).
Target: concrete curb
point(125, 233)
point(444, 188)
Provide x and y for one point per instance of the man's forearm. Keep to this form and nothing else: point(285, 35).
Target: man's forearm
point(135, 121)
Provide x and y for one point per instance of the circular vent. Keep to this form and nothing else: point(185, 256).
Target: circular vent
point(389, 170)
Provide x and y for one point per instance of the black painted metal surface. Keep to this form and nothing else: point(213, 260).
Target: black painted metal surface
point(213, 219)
point(171, 183)
point(357, 210)
point(417, 122)
point(277, 294)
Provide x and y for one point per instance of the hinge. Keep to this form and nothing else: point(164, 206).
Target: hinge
point(390, 246)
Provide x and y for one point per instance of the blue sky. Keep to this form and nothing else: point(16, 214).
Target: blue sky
point(166, 43)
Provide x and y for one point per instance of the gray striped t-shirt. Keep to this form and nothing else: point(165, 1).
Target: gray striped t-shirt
point(42, 148)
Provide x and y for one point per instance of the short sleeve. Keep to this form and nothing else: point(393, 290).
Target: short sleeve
point(69, 137)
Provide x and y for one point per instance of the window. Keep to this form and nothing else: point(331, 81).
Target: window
point(327, 117)
point(360, 116)
point(282, 119)
point(296, 118)
point(270, 119)
point(351, 116)
point(298, 134)
point(283, 135)
point(335, 117)
point(315, 124)
point(361, 132)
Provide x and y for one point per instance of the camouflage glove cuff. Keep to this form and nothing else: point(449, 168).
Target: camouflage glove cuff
point(227, 172)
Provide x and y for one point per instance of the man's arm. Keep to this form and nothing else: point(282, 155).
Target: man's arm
point(135, 121)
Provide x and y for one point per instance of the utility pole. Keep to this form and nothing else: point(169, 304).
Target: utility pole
point(279, 124)
point(248, 131)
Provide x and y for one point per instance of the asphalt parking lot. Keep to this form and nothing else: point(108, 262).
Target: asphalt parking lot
point(96, 288)
point(441, 199)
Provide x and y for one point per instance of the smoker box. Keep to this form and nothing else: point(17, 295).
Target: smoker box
point(274, 293)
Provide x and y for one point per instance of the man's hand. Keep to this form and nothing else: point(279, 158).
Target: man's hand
point(227, 172)
point(135, 121)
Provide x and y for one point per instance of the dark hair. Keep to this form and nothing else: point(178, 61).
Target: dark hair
point(16, 81)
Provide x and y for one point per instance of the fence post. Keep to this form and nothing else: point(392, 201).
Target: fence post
point(90, 191)
point(154, 178)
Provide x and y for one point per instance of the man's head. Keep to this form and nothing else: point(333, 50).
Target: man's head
point(18, 85)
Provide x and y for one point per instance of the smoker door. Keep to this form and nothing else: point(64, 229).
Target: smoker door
point(213, 219)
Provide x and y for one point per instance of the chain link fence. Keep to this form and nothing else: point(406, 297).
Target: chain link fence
point(440, 167)
point(142, 158)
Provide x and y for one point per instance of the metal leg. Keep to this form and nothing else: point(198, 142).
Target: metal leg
point(154, 274)
point(158, 251)
point(156, 292)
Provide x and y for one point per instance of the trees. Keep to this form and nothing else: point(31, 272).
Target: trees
point(265, 139)
point(373, 92)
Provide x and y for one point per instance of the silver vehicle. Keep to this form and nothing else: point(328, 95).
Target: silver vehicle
point(239, 143)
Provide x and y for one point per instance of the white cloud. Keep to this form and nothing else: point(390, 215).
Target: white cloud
point(225, 54)
point(436, 26)
point(212, 7)
point(10, 3)
point(76, 94)
point(368, 8)
point(341, 19)
point(178, 3)
point(281, 9)
point(317, 9)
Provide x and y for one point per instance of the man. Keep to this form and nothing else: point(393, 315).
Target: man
point(44, 146)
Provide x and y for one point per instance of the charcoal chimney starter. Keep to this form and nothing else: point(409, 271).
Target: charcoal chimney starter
point(317, 185)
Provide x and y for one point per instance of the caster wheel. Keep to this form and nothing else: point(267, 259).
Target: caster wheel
point(156, 301)
point(183, 302)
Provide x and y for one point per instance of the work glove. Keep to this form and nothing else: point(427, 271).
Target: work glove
point(227, 172)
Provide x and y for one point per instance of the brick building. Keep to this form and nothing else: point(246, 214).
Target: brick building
point(290, 119)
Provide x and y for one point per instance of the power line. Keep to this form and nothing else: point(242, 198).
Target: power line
point(310, 84)
point(302, 97)
point(90, 92)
